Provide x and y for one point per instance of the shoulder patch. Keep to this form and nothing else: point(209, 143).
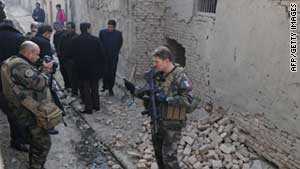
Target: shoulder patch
point(29, 73)
point(186, 84)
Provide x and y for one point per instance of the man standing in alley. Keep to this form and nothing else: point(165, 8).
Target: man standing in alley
point(60, 16)
point(172, 100)
point(88, 55)
point(67, 60)
point(38, 13)
point(33, 31)
point(42, 38)
point(112, 41)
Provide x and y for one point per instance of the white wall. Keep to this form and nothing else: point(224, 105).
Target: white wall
point(249, 55)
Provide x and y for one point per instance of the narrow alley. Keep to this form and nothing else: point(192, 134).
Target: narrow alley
point(238, 133)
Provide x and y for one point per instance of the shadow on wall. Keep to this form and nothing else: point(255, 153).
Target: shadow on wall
point(178, 51)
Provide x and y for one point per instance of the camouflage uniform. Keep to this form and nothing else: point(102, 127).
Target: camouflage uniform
point(29, 82)
point(178, 87)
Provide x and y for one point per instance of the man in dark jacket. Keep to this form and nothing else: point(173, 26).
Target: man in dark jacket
point(59, 32)
point(67, 60)
point(38, 13)
point(2, 13)
point(88, 55)
point(112, 41)
point(42, 38)
point(10, 40)
point(57, 37)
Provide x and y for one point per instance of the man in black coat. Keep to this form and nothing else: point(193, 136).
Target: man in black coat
point(112, 41)
point(57, 38)
point(64, 48)
point(10, 41)
point(42, 38)
point(88, 55)
point(38, 13)
point(2, 13)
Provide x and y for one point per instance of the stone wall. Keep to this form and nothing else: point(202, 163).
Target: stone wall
point(240, 57)
point(148, 25)
point(249, 56)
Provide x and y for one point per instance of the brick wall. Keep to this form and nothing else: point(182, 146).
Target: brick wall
point(148, 29)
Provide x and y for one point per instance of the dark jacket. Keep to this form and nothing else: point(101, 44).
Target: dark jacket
point(44, 45)
point(38, 15)
point(57, 37)
point(10, 41)
point(112, 43)
point(88, 55)
point(2, 14)
point(64, 47)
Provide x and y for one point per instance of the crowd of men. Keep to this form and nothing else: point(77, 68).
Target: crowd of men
point(84, 59)
point(81, 61)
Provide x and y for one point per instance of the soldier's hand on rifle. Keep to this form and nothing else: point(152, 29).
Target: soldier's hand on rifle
point(129, 86)
point(48, 66)
point(161, 97)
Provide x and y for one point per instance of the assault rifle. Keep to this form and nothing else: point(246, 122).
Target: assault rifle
point(57, 93)
point(148, 94)
point(56, 90)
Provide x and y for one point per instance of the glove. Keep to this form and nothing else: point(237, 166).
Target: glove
point(161, 97)
point(129, 86)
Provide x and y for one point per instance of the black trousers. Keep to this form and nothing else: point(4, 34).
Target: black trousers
point(90, 93)
point(64, 72)
point(73, 74)
point(109, 78)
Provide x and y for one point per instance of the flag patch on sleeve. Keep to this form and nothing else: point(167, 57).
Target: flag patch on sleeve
point(186, 83)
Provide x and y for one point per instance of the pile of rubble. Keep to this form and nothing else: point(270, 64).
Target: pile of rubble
point(213, 142)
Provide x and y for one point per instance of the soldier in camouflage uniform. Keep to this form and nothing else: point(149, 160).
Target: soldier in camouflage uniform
point(174, 101)
point(28, 81)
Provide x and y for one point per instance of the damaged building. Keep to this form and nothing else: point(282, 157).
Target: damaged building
point(235, 52)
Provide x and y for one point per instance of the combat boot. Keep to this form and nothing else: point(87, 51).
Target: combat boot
point(52, 131)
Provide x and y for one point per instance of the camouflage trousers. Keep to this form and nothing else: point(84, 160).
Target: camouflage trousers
point(38, 138)
point(165, 147)
point(40, 143)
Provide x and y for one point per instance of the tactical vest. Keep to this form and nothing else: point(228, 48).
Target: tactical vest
point(39, 103)
point(172, 112)
point(10, 90)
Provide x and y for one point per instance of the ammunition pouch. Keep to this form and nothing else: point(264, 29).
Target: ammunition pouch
point(46, 113)
point(173, 112)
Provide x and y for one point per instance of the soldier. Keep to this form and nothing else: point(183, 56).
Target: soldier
point(174, 100)
point(28, 81)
